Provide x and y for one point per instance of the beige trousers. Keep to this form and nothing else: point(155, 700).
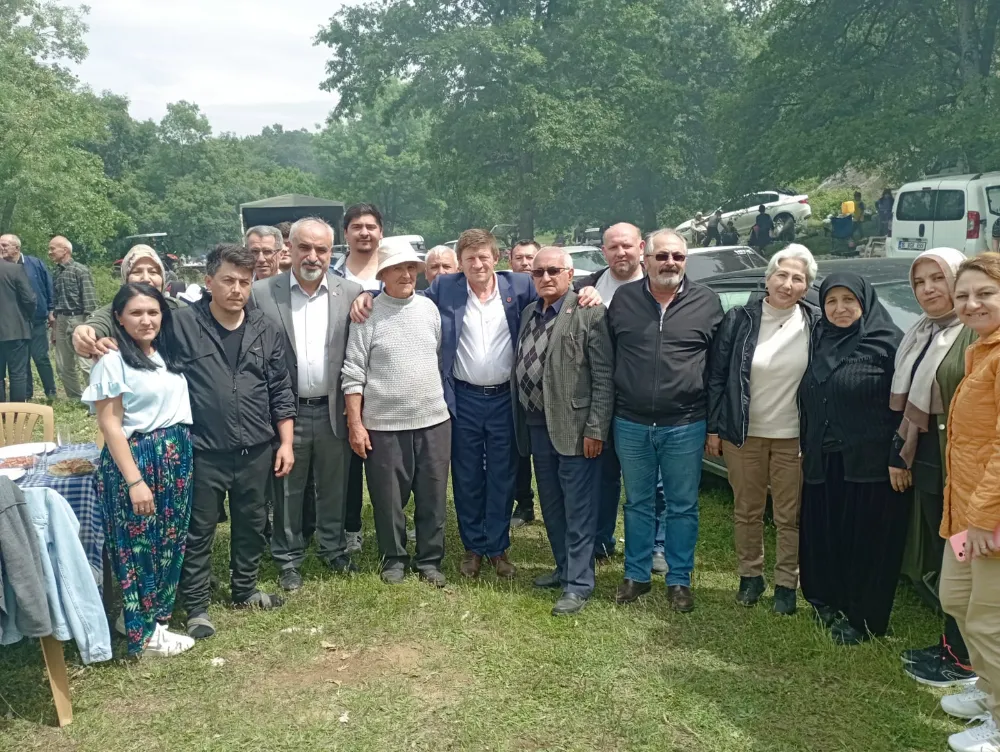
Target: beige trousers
point(760, 463)
point(970, 592)
point(66, 358)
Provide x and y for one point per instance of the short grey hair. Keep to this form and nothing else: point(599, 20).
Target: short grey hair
point(565, 256)
point(667, 231)
point(793, 252)
point(65, 242)
point(14, 238)
point(300, 223)
point(441, 250)
point(264, 231)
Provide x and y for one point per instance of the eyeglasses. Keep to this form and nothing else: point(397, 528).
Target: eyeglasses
point(265, 252)
point(552, 271)
point(664, 256)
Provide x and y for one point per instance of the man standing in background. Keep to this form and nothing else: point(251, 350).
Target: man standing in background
point(440, 260)
point(75, 300)
point(265, 243)
point(41, 283)
point(17, 307)
point(284, 256)
point(363, 233)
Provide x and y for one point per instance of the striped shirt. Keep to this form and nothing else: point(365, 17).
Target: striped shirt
point(74, 288)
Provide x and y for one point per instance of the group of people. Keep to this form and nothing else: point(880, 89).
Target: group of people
point(290, 387)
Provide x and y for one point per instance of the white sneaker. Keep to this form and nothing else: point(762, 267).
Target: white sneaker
point(166, 644)
point(968, 704)
point(353, 542)
point(984, 738)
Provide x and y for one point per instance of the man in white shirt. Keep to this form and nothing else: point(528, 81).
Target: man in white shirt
point(312, 307)
point(363, 234)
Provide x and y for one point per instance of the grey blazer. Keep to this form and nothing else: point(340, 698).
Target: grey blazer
point(578, 383)
point(273, 296)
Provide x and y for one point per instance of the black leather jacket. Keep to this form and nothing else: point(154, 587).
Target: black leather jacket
point(729, 368)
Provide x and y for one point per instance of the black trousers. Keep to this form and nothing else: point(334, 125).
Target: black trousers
point(14, 358)
point(243, 474)
point(524, 495)
point(851, 541)
point(712, 234)
point(355, 494)
point(39, 350)
point(399, 463)
point(932, 509)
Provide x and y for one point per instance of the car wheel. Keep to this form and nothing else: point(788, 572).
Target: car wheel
point(784, 227)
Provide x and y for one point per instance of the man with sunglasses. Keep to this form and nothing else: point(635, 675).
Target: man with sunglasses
point(522, 257)
point(563, 399)
point(662, 328)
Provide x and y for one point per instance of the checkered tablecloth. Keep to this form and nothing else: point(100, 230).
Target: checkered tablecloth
point(81, 493)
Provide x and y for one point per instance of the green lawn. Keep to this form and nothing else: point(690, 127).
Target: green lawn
point(351, 664)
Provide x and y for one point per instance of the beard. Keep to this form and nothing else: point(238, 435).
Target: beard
point(312, 273)
point(669, 279)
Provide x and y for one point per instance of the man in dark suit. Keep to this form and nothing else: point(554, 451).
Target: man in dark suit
point(311, 306)
point(563, 399)
point(17, 308)
point(41, 283)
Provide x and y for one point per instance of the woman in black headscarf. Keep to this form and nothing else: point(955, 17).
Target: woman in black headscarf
point(853, 525)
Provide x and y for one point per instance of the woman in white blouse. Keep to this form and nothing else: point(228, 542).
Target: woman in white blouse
point(759, 356)
point(144, 478)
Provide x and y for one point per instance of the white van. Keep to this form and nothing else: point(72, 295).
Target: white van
point(953, 211)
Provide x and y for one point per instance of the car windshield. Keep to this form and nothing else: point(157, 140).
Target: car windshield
point(588, 261)
point(898, 299)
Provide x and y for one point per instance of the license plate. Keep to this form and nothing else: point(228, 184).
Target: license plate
point(912, 245)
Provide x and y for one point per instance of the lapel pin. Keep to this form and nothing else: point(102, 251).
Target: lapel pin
point(509, 300)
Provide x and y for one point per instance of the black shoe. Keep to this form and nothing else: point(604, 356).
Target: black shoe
point(262, 601)
point(784, 600)
point(199, 626)
point(550, 580)
point(751, 589)
point(290, 580)
point(844, 634)
point(824, 616)
point(922, 655)
point(631, 590)
point(603, 553)
point(940, 671)
point(680, 598)
point(393, 575)
point(569, 603)
point(342, 565)
point(522, 516)
point(434, 576)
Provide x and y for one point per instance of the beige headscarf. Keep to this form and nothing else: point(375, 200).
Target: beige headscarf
point(135, 254)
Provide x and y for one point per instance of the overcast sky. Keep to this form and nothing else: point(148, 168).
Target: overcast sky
point(246, 63)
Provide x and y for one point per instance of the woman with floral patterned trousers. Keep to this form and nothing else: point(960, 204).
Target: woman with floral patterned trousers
point(144, 479)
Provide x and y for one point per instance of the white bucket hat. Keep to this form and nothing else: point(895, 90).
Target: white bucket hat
point(395, 251)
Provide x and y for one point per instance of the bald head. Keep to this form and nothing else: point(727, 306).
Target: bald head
point(623, 249)
point(10, 247)
point(440, 260)
point(60, 250)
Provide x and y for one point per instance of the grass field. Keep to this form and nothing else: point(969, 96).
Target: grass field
point(352, 664)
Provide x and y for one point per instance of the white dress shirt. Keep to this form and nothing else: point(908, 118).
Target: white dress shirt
point(369, 285)
point(485, 352)
point(311, 322)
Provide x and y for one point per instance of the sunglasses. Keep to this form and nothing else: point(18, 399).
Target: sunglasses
point(552, 271)
point(675, 256)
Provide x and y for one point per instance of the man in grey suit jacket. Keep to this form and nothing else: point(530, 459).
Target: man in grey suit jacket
point(17, 310)
point(312, 307)
point(563, 400)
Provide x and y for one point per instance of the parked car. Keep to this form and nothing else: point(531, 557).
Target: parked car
point(889, 276)
point(417, 241)
point(702, 262)
point(587, 259)
point(954, 211)
point(786, 207)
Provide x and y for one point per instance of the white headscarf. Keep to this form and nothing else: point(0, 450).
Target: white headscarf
point(915, 390)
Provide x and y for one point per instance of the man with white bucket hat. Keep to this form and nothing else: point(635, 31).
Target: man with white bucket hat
point(397, 417)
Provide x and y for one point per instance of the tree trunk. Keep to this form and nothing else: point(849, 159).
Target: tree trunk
point(968, 42)
point(649, 222)
point(526, 218)
point(7, 213)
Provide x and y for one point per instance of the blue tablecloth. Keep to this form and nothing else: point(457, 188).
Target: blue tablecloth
point(81, 493)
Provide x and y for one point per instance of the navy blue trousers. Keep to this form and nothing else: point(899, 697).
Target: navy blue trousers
point(567, 492)
point(483, 426)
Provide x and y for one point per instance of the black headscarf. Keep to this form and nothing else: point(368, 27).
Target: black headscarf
point(872, 335)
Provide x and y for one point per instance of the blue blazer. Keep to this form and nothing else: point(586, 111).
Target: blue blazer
point(41, 283)
point(450, 293)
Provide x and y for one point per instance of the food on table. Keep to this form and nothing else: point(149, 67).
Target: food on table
point(14, 462)
point(66, 468)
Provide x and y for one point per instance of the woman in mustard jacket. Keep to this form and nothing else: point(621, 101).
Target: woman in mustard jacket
point(970, 579)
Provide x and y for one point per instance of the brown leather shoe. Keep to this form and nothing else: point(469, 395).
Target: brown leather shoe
point(630, 590)
point(505, 570)
point(680, 598)
point(471, 564)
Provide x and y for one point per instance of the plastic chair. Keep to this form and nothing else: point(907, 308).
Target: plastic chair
point(18, 419)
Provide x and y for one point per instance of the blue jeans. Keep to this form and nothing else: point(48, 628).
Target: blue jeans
point(675, 452)
point(609, 494)
point(566, 492)
point(483, 429)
